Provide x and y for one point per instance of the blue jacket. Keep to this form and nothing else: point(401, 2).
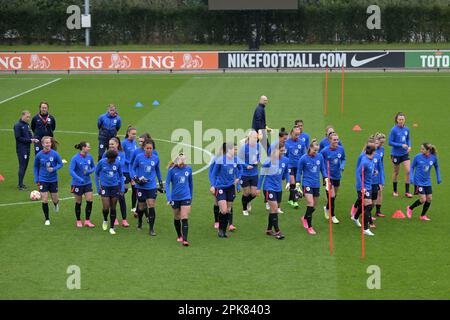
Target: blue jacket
point(128, 148)
point(249, 156)
point(273, 174)
point(369, 168)
point(44, 160)
point(108, 126)
point(336, 157)
point(81, 168)
point(295, 149)
point(148, 167)
point(179, 184)
point(108, 175)
point(397, 138)
point(225, 171)
point(139, 151)
point(23, 136)
point(309, 170)
point(421, 169)
point(259, 118)
point(121, 158)
point(43, 125)
point(378, 177)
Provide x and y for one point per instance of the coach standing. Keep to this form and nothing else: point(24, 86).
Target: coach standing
point(24, 139)
point(43, 125)
point(108, 125)
point(259, 121)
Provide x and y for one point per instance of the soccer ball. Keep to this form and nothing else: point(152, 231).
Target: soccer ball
point(35, 195)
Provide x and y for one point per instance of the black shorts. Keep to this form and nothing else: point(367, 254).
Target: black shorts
point(367, 195)
point(127, 177)
point(293, 171)
point(335, 183)
point(51, 187)
point(273, 195)
point(397, 160)
point(80, 190)
point(375, 189)
point(426, 190)
point(249, 181)
point(110, 192)
point(143, 194)
point(227, 194)
point(314, 191)
point(176, 204)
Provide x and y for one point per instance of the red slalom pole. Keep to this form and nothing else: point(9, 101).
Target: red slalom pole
point(330, 212)
point(362, 210)
point(342, 89)
point(326, 93)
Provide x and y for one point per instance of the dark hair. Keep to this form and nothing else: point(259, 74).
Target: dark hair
point(111, 155)
point(430, 147)
point(282, 133)
point(145, 135)
point(119, 144)
point(148, 141)
point(55, 143)
point(43, 102)
point(130, 127)
point(370, 149)
point(398, 115)
point(297, 122)
point(81, 145)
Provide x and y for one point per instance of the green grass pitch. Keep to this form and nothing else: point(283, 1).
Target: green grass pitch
point(412, 255)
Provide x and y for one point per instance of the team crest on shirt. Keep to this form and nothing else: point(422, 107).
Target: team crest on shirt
point(89, 162)
point(51, 159)
point(101, 146)
point(339, 155)
point(431, 163)
point(318, 162)
point(186, 173)
point(114, 168)
point(37, 148)
point(152, 163)
point(375, 160)
point(299, 146)
point(406, 133)
point(283, 165)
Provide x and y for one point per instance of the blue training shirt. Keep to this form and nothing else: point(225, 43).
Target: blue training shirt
point(108, 175)
point(336, 157)
point(44, 160)
point(421, 169)
point(369, 168)
point(272, 174)
point(295, 149)
point(128, 148)
point(81, 168)
point(225, 171)
point(179, 184)
point(397, 138)
point(309, 169)
point(249, 156)
point(147, 167)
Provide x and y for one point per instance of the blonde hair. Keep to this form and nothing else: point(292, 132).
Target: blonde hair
point(176, 162)
point(313, 142)
point(55, 143)
point(430, 147)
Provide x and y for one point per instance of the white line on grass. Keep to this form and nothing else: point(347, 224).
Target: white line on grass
point(92, 133)
point(28, 91)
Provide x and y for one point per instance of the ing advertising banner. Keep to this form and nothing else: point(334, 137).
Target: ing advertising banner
point(108, 61)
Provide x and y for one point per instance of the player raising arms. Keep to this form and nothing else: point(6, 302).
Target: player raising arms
point(400, 141)
point(81, 167)
point(420, 176)
point(115, 145)
point(179, 191)
point(273, 171)
point(249, 156)
point(295, 149)
point(109, 181)
point(129, 146)
point(334, 154)
point(46, 165)
point(310, 166)
point(366, 164)
point(145, 170)
point(224, 178)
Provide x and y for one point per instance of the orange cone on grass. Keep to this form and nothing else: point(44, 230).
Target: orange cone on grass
point(398, 215)
point(357, 128)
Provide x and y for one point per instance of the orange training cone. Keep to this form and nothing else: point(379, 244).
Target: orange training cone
point(2, 178)
point(357, 128)
point(398, 215)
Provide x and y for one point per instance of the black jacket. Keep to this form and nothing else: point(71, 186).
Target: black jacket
point(43, 125)
point(23, 136)
point(259, 118)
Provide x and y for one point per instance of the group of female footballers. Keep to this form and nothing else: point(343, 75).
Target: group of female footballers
point(304, 164)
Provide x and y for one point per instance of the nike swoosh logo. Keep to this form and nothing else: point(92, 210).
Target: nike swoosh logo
point(358, 63)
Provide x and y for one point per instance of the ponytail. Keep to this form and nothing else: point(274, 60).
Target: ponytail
point(55, 143)
point(282, 133)
point(130, 127)
point(81, 145)
point(311, 145)
point(119, 144)
point(430, 147)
